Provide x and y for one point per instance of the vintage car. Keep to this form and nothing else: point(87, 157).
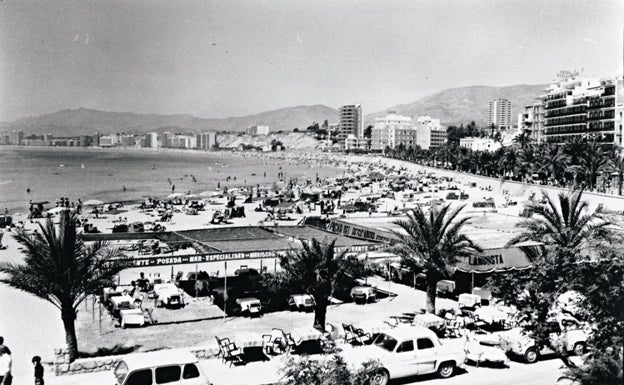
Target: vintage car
point(250, 306)
point(567, 333)
point(168, 295)
point(301, 302)
point(167, 366)
point(407, 351)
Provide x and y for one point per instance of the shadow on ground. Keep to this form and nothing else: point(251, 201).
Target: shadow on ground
point(114, 351)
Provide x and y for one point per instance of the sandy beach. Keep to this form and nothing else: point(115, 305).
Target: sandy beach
point(32, 326)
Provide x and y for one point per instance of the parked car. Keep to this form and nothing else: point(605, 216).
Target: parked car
point(168, 295)
point(408, 351)
point(170, 367)
point(567, 333)
point(301, 302)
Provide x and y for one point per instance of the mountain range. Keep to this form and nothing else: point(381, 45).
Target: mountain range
point(463, 105)
point(451, 106)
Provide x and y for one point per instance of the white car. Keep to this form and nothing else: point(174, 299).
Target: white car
point(162, 367)
point(408, 351)
point(568, 333)
point(168, 295)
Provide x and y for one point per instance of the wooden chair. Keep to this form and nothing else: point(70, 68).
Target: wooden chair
point(350, 336)
point(222, 343)
point(233, 354)
point(274, 343)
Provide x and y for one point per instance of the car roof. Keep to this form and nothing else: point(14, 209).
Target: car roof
point(405, 332)
point(158, 358)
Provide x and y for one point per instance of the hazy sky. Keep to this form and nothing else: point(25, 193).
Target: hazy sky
point(231, 58)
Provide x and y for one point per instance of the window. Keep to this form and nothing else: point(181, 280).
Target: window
point(167, 374)
point(424, 343)
point(190, 371)
point(140, 377)
point(406, 346)
point(386, 342)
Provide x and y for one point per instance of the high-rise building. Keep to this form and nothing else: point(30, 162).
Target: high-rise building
point(151, 140)
point(583, 107)
point(429, 133)
point(206, 140)
point(393, 130)
point(499, 113)
point(16, 137)
point(351, 122)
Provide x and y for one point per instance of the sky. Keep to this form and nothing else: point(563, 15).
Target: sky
point(216, 59)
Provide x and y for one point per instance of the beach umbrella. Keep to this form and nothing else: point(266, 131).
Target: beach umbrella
point(175, 195)
point(93, 202)
point(210, 193)
point(192, 196)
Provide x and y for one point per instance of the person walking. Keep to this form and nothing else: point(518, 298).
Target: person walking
point(5, 366)
point(36, 360)
point(3, 346)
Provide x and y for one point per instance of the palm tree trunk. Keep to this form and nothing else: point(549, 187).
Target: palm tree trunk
point(432, 286)
point(69, 318)
point(320, 311)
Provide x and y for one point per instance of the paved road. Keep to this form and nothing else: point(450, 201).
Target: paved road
point(541, 373)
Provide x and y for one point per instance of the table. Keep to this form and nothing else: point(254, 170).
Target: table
point(248, 340)
point(122, 302)
point(302, 334)
point(373, 326)
point(132, 317)
point(468, 300)
point(428, 320)
point(490, 314)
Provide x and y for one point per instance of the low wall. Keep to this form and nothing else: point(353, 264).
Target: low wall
point(63, 367)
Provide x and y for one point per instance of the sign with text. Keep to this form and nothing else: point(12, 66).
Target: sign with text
point(510, 258)
point(357, 231)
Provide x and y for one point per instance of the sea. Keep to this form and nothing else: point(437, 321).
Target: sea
point(47, 173)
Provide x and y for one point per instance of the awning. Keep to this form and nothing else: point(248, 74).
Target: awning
point(496, 260)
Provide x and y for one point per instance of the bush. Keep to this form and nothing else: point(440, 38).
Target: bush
point(334, 370)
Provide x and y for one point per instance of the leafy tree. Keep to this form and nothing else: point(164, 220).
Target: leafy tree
point(616, 166)
point(295, 129)
point(61, 269)
point(368, 131)
point(317, 270)
point(568, 230)
point(434, 242)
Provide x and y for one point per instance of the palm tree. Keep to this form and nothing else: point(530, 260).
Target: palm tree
point(565, 223)
point(433, 242)
point(316, 269)
point(594, 160)
point(553, 161)
point(616, 167)
point(61, 269)
point(527, 161)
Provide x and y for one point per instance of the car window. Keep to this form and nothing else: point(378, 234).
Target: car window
point(386, 342)
point(406, 346)
point(140, 377)
point(167, 374)
point(424, 343)
point(190, 371)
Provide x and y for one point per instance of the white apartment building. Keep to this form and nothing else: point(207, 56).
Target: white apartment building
point(392, 130)
point(206, 140)
point(479, 144)
point(429, 133)
point(258, 130)
point(108, 140)
point(500, 113)
point(150, 140)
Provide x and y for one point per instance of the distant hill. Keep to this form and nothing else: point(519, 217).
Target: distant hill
point(465, 104)
point(85, 121)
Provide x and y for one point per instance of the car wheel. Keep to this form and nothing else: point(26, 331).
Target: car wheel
point(446, 369)
point(531, 356)
point(579, 348)
point(381, 377)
